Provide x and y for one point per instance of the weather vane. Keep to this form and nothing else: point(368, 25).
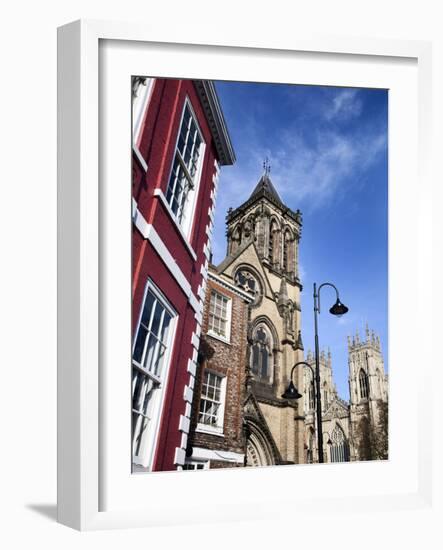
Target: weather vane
point(266, 166)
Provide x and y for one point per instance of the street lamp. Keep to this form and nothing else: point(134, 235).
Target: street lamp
point(291, 392)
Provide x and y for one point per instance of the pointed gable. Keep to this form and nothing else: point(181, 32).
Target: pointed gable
point(247, 255)
point(338, 408)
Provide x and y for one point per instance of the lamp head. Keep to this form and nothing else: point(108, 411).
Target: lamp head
point(338, 309)
point(291, 392)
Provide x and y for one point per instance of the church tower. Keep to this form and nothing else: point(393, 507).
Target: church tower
point(328, 388)
point(368, 383)
point(263, 237)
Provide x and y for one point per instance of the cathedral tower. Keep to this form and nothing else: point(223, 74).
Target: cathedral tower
point(262, 259)
point(368, 383)
point(328, 388)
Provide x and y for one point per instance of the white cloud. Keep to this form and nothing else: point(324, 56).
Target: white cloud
point(307, 175)
point(344, 105)
point(309, 171)
point(318, 173)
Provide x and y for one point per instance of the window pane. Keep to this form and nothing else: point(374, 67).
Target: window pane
point(217, 394)
point(158, 313)
point(140, 343)
point(264, 362)
point(255, 352)
point(165, 328)
point(147, 308)
point(142, 425)
point(137, 393)
point(149, 389)
point(150, 349)
point(159, 360)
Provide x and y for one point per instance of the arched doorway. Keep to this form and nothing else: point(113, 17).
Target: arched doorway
point(259, 451)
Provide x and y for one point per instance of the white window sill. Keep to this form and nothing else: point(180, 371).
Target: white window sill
point(159, 193)
point(205, 429)
point(218, 337)
point(140, 158)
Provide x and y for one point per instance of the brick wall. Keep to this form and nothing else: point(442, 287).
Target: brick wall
point(226, 359)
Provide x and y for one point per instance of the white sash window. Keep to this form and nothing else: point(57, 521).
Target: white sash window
point(150, 364)
point(219, 318)
point(186, 170)
point(212, 403)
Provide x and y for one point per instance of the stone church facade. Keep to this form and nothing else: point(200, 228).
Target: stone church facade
point(262, 259)
point(344, 422)
point(251, 339)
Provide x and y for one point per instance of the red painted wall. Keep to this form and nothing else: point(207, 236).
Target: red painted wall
point(157, 144)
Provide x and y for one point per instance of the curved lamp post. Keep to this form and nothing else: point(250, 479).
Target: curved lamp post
point(291, 392)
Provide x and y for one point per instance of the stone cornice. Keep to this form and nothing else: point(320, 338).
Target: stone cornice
point(214, 114)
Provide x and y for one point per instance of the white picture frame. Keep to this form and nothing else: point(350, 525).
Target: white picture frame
point(83, 503)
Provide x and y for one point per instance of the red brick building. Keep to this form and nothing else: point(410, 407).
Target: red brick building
point(179, 142)
point(217, 438)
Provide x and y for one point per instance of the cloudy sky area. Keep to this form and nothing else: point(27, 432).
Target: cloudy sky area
point(328, 153)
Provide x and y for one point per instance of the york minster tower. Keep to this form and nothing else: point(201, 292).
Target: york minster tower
point(368, 390)
point(263, 237)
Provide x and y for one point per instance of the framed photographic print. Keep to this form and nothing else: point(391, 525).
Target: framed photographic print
point(235, 223)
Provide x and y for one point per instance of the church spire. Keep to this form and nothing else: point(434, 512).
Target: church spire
point(265, 186)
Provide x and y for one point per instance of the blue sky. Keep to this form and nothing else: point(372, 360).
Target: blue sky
point(328, 153)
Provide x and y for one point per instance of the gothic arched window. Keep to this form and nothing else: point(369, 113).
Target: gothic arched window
point(311, 396)
point(364, 385)
point(287, 268)
point(339, 445)
point(249, 283)
point(261, 356)
point(272, 245)
point(325, 397)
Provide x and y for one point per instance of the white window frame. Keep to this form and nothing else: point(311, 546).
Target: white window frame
point(139, 108)
point(227, 338)
point(207, 428)
point(139, 105)
point(187, 221)
point(149, 443)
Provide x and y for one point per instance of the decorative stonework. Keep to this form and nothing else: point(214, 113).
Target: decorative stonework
point(341, 418)
point(250, 283)
point(262, 259)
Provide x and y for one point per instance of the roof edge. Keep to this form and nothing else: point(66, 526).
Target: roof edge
point(217, 124)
